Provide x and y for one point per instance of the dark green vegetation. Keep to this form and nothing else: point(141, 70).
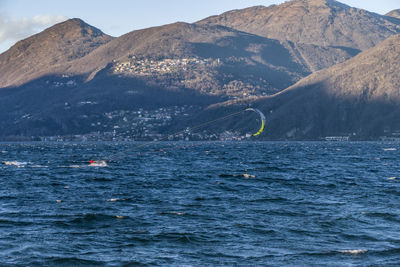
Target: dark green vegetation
point(315, 67)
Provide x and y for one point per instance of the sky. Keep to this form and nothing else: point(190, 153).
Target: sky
point(20, 19)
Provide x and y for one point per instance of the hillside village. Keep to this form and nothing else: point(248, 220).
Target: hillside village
point(194, 73)
point(145, 66)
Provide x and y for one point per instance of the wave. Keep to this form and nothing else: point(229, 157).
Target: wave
point(67, 261)
point(383, 215)
point(89, 219)
point(95, 164)
point(244, 175)
point(327, 253)
point(172, 213)
point(184, 237)
point(15, 163)
point(353, 251)
point(23, 164)
point(390, 149)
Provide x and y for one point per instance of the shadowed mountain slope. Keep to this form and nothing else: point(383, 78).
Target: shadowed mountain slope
point(126, 106)
point(360, 98)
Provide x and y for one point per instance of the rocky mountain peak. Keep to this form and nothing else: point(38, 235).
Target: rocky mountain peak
point(40, 53)
point(319, 22)
point(394, 14)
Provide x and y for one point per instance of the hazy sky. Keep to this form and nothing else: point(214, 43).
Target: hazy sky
point(22, 18)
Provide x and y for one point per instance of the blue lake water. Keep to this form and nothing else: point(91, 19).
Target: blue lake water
point(197, 204)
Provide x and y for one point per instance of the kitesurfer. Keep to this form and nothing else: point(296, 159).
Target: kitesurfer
point(98, 163)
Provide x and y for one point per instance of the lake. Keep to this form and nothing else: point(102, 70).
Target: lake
point(199, 204)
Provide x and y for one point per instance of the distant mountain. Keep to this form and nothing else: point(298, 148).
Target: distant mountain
point(49, 51)
point(358, 98)
point(320, 22)
point(394, 13)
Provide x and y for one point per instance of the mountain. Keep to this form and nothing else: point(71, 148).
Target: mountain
point(179, 68)
point(394, 13)
point(49, 51)
point(204, 65)
point(358, 98)
point(222, 60)
point(320, 22)
point(183, 40)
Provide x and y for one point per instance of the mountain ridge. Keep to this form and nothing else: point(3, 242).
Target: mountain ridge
point(394, 13)
point(311, 21)
point(48, 51)
point(179, 40)
point(182, 40)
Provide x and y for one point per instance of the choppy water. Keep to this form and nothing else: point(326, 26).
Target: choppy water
point(312, 204)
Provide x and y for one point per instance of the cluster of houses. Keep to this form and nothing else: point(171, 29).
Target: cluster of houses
point(146, 66)
point(238, 89)
point(57, 84)
point(146, 125)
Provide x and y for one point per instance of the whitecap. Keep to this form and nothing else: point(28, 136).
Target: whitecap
point(118, 199)
point(354, 251)
point(22, 164)
point(74, 166)
point(178, 213)
point(172, 213)
point(39, 166)
point(19, 164)
point(247, 176)
point(390, 149)
point(94, 164)
point(244, 175)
